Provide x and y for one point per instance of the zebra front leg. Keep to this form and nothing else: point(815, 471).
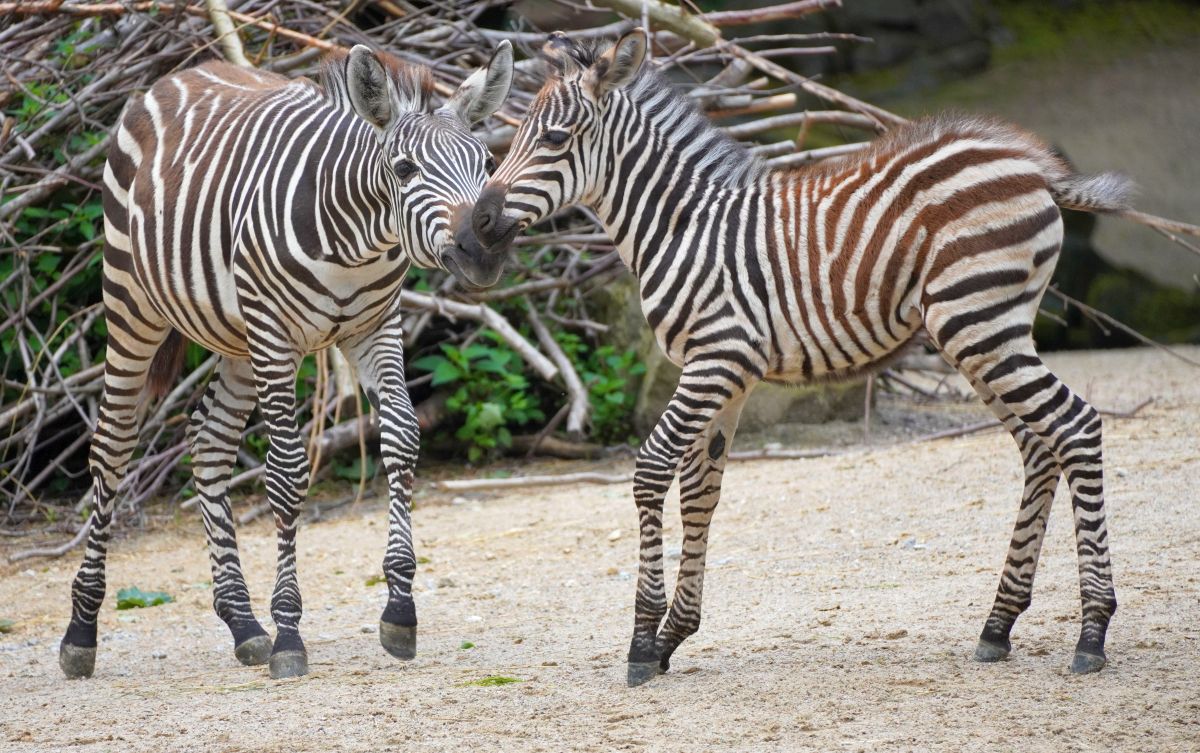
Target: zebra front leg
point(1015, 592)
point(287, 476)
point(380, 361)
point(131, 347)
point(215, 430)
point(698, 399)
point(699, 493)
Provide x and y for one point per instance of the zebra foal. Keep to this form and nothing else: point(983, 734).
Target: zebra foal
point(266, 218)
point(746, 274)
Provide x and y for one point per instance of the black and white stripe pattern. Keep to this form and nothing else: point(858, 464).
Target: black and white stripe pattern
point(746, 274)
point(264, 219)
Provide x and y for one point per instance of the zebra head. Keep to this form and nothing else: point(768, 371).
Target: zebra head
point(437, 166)
point(563, 150)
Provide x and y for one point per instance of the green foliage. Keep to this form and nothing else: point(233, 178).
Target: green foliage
point(353, 471)
point(466, 645)
point(609, 377)
point(135, 598)
point(491, 396)
point(491, 681)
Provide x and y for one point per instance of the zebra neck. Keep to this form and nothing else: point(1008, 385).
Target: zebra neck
point(357, 195)
point(670, 169)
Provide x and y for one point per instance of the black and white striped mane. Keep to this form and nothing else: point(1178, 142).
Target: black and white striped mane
point(726, 161)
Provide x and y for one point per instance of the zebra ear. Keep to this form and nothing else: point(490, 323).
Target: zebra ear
point(484, 90)
point(367, 82)
point(620, 64)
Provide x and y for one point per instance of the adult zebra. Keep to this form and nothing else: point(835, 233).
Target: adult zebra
point(266, 218)
point(794, 275)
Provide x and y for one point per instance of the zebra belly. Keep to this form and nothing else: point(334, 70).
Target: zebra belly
point(844, 357)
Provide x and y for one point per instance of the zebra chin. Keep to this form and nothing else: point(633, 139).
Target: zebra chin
point(474, 266)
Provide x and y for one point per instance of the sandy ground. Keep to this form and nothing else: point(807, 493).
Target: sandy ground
point(843, 600)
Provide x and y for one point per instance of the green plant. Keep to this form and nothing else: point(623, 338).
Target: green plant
point(135, 598)
point(610, 377)
point(492, 395)
point(491, 681)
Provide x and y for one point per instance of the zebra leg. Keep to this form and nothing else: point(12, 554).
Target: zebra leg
point(699, 398)
point(215, 430)
point(1015, 591)
point(132, 342)
point(379, 358)
point(1001, 355)
point(287, 482)
point(699, 492)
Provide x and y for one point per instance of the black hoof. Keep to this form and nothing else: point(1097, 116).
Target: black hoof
point(288, 664)
point(641, 673)
point(1085, 664)
point(254, 651)
point(398, 640)
point(76, 661)
point(988, 652)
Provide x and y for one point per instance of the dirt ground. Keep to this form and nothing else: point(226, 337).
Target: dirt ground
point(843, 598)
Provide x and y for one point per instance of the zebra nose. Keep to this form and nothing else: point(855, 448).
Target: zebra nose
point(485, 219)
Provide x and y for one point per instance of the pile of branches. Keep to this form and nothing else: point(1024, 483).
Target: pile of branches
point(69, 67)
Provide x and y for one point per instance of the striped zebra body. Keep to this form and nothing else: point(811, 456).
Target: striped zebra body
point(266, 218)
point(948, 225)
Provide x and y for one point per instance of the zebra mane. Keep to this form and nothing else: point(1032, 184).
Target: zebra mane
point(414, 83)
point(725, 160)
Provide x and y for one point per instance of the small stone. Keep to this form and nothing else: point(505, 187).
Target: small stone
point(616, 534)
point(474, 618)
point(1122, 473)
point(159, 655)
point(367, 629)
point(896, 634)
point(445, 583)
point(459, 501)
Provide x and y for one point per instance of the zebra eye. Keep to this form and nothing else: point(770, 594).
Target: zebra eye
point(490, 165)
point(555, 138)
point(405, 169)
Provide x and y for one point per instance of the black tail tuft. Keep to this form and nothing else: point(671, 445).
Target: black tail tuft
point(167, 364)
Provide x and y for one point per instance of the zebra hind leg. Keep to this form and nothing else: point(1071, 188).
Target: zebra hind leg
point(1015, 592)
point(1071, 430)
point(128, 361)
point(380, 362)
point(215, 430)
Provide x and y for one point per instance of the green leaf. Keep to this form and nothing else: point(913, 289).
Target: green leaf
point(466, 645)
point(491, 681)
point(7, 626)
point(47, 263)
point(375, 580)
point(134, 598)
point(446, 372)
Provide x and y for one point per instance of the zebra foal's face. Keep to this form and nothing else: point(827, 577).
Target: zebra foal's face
point(438, 166)
point(565, 148)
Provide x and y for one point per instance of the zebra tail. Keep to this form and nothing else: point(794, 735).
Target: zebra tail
point(167, 364)
point(1103, 192)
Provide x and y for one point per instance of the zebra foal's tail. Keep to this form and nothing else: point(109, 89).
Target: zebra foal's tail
point(1102, 192)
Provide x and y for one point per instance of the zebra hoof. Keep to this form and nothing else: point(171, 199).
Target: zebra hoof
point(76, 661)
point(286, 664)
point(988, 652)
point(1085, 664)
point(254, 651)
point(398, 640)
point(640, 673)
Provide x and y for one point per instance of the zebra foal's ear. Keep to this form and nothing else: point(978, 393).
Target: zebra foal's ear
point(367, 82)
point(484, 90)
point(620, 64)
